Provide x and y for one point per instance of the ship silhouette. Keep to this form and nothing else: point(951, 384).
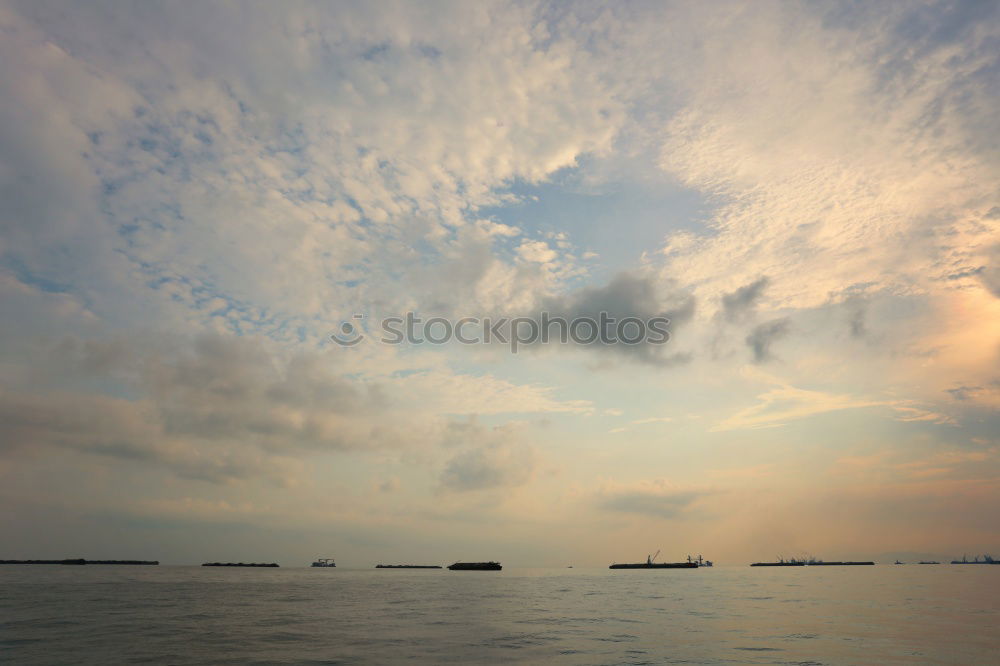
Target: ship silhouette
point(810, 562)
point(651, 564)
point(986, 560)
point(475, 566)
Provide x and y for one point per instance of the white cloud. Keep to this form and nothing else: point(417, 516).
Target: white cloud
point(536, 251)
point(842, 158)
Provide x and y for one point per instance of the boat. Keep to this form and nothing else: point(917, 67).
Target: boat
point(81, 561)
point(811, 562)
point(840, 564)
point(986, 560)
point(898, 562)
point(475, 566)
point(407, 566)
point(268, 565)
point(324, 562)
point(782, 562)
point(700, 562)
point(928, 562)
point(651, 564)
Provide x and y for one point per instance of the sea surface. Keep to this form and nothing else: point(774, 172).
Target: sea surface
point(884, 614)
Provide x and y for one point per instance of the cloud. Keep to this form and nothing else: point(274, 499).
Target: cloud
point(275, 158)
point(221, 408)
point(764, 335)
point(737, 304)
point(990, 274)
point(964, 392)
point(650, 498)
point(129, 431)
point(985, 395)
point(830, 172)
point(858, 317)
point(630, 295)
point(654, 419)
point(389, 485)
point(785, 403)
point(646, 421)
point(909, 414)
point(494, 458)
point(536, 251)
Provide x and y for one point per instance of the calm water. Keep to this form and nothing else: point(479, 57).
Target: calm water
point(726, 615)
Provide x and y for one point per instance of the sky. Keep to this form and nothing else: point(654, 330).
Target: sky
point(195, 196)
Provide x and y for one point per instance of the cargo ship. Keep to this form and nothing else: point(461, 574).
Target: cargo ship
point(700, 562)
point(82, 561)
point(268, 565)
point(986, 560)
point(782, 562)
point(811, 562)
point(840, 564)
point(407, 566)
point(475, 566)
point(325, 562)
point(651, 564)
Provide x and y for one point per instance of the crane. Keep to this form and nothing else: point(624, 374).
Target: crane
point(650, 558)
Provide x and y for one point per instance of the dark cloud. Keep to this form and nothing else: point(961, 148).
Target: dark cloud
point(964, 392)
point(762, 337)
point(737, 304)
point(215, 408)
point(857, 321)
point(631, 295)
point(130, 431)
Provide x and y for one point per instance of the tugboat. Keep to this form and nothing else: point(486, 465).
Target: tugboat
point(650, 564)
point(324, 562)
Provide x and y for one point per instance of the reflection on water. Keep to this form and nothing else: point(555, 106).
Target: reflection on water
point(188, 615)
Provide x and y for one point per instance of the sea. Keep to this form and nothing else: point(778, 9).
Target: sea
point(882, 614)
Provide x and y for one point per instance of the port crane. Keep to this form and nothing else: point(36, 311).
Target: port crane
point(650, 558)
